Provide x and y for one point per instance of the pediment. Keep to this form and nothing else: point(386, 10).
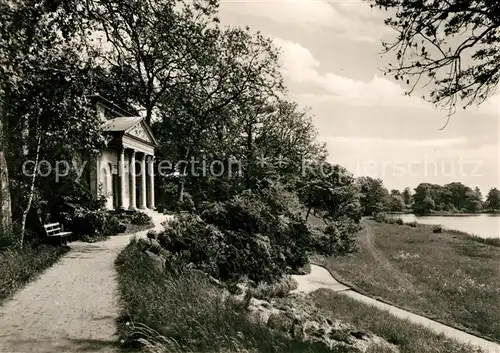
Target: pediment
point(141, 132)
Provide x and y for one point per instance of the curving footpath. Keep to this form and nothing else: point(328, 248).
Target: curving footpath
point(72, 306)
point(321, 278)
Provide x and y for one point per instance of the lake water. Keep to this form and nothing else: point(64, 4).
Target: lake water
point(483, 225)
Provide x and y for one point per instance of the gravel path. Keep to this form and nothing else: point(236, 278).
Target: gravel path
point(321, 278)
point(71, 307)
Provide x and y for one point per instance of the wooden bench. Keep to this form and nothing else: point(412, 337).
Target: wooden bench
point(55, 230)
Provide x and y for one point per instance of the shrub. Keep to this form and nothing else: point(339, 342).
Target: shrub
point(380, 217)
point(96, 224)
point(437, 229)
point(412, 224)
point(152, 234)
point(187, 203)
point(114, 226)
point(140, 219)
point(337, 237)
point(254, 234)
point(8, 241)
point(267, 291)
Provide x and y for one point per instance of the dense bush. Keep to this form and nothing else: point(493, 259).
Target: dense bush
point(96, 223)
point(412, 224)
point(152, 234)
point(259, 235)
point(140, 219)
point(437, 229)
point(380, 217)
point(187, 203)
point(337, 237)
point(399, 221)
point(383, 217)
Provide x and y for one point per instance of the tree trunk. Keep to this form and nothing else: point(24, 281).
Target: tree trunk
point(181, 193)
point(5, 201)
point(32, 189)
point(308, 212)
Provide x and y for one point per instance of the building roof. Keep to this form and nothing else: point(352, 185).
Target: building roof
point(121, 124)
point(127, 124)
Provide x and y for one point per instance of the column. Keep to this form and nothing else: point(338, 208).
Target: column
point(121, 175)
point(143, 182)
point(133, 201)
point(151, 198)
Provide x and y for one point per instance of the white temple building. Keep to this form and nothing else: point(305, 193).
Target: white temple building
point(124, 170)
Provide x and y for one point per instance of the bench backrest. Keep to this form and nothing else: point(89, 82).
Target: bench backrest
point(52, 228)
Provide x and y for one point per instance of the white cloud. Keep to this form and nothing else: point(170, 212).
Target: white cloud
point(378, 87)
point(297, 62)
point(314, 14)
point(299, 65)
point(397, 143)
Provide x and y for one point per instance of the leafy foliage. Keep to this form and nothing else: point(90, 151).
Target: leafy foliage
point(384, 218)
point(396, 201)
point(453, 197)
point(255, 235)
point(331, 191)
point(338, 237)
point(453, 44)
point(140, 218)
point(96, 223)
point(437, 229)
point(374, 196)
point(493, 200)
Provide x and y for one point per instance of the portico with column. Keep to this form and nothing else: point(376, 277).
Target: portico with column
point(126, 165)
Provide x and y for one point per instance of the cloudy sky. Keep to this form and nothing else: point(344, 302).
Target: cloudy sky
point(331, 62)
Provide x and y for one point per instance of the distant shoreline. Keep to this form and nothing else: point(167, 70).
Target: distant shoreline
point(447, 214)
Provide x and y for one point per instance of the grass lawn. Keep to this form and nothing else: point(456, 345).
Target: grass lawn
point(18, 267)
point(188, 310)
point(409, 338)
point(445, 276)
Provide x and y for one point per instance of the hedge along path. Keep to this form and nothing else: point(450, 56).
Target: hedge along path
point(71, 307)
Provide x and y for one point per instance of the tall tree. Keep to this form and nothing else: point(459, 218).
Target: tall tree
point(452, 44)
point(407, 196)
point(220, 114)
point(331, 191)
point(44, 62)
point(374, 196)
point(423, 199)
point(493, 200)
point(5, 202)
point(396, 202)
point(153, 45)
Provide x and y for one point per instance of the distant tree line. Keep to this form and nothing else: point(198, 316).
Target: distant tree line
point(426, 198)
